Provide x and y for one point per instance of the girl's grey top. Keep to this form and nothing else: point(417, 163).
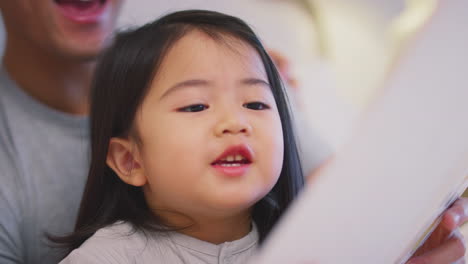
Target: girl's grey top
point(120, 243)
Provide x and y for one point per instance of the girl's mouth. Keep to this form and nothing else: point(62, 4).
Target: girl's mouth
point(234, 162)
point(82, 11)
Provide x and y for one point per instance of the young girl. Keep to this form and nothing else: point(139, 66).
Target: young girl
point(193, 154)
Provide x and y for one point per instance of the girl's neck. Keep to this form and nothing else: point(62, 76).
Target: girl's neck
point(214, 230)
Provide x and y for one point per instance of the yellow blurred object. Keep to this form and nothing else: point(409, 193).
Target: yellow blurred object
point(411, 20)
point(361, 46)
point(465, 194)
point(352, 40)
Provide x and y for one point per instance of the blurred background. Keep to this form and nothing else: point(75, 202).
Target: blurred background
point(339, 52)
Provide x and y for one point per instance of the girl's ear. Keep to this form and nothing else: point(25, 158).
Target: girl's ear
point(123, 159)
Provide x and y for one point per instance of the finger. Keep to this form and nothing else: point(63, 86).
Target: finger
point(456, 215)
point(282, 63)
point(450, 251)
point(279, 59)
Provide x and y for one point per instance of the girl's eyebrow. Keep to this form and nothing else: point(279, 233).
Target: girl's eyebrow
point(185, 84)
point(255, 81)
point(202, 83)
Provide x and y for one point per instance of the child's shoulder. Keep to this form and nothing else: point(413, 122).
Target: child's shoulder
point(116, 232)
point(116, 243)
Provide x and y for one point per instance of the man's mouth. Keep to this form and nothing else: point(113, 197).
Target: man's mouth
point(80, 4)
point(82, 10)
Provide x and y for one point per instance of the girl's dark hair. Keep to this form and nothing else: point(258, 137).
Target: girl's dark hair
point(123, 75)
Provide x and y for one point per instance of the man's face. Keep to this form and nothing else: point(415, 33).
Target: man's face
point(77, 29)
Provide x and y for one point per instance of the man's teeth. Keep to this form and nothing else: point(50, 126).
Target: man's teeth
point(232, 158)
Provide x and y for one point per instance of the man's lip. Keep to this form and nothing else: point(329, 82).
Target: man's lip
point(241, 149)
point(85, 15)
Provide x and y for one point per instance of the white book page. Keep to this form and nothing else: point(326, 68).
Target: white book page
point(405, 162)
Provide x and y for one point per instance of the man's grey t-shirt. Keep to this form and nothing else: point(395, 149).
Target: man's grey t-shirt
point(43, 168)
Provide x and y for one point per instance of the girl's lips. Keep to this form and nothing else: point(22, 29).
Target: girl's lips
point(234, 171)
point(242, 149)
point(83, 12)
point(234, 167)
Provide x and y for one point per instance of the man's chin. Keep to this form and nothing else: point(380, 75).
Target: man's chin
point(81, 53)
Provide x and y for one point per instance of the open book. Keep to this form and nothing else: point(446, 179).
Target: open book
point(407, 160)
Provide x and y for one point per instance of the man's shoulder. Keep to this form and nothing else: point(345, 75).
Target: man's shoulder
point(12, 122)
point(8, 156)
point(11, 198)
point(10, 174)
point(7, 151)
point(6, 141)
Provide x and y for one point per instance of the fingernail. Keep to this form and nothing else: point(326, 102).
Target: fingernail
point(456, 219)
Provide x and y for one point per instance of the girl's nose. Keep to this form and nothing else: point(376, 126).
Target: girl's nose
point(232, 125)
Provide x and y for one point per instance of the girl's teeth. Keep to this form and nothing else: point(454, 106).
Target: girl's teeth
point(232, 158)
point(230, 164)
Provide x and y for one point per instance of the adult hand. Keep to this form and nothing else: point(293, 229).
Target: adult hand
point(446, 244)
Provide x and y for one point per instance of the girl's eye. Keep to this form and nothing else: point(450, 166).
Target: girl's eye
point(193, 108)
point(256, 106)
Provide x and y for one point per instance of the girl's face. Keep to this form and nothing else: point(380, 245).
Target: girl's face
point(211, 136)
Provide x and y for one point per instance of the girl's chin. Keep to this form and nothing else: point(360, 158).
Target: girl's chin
point(236, 204)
